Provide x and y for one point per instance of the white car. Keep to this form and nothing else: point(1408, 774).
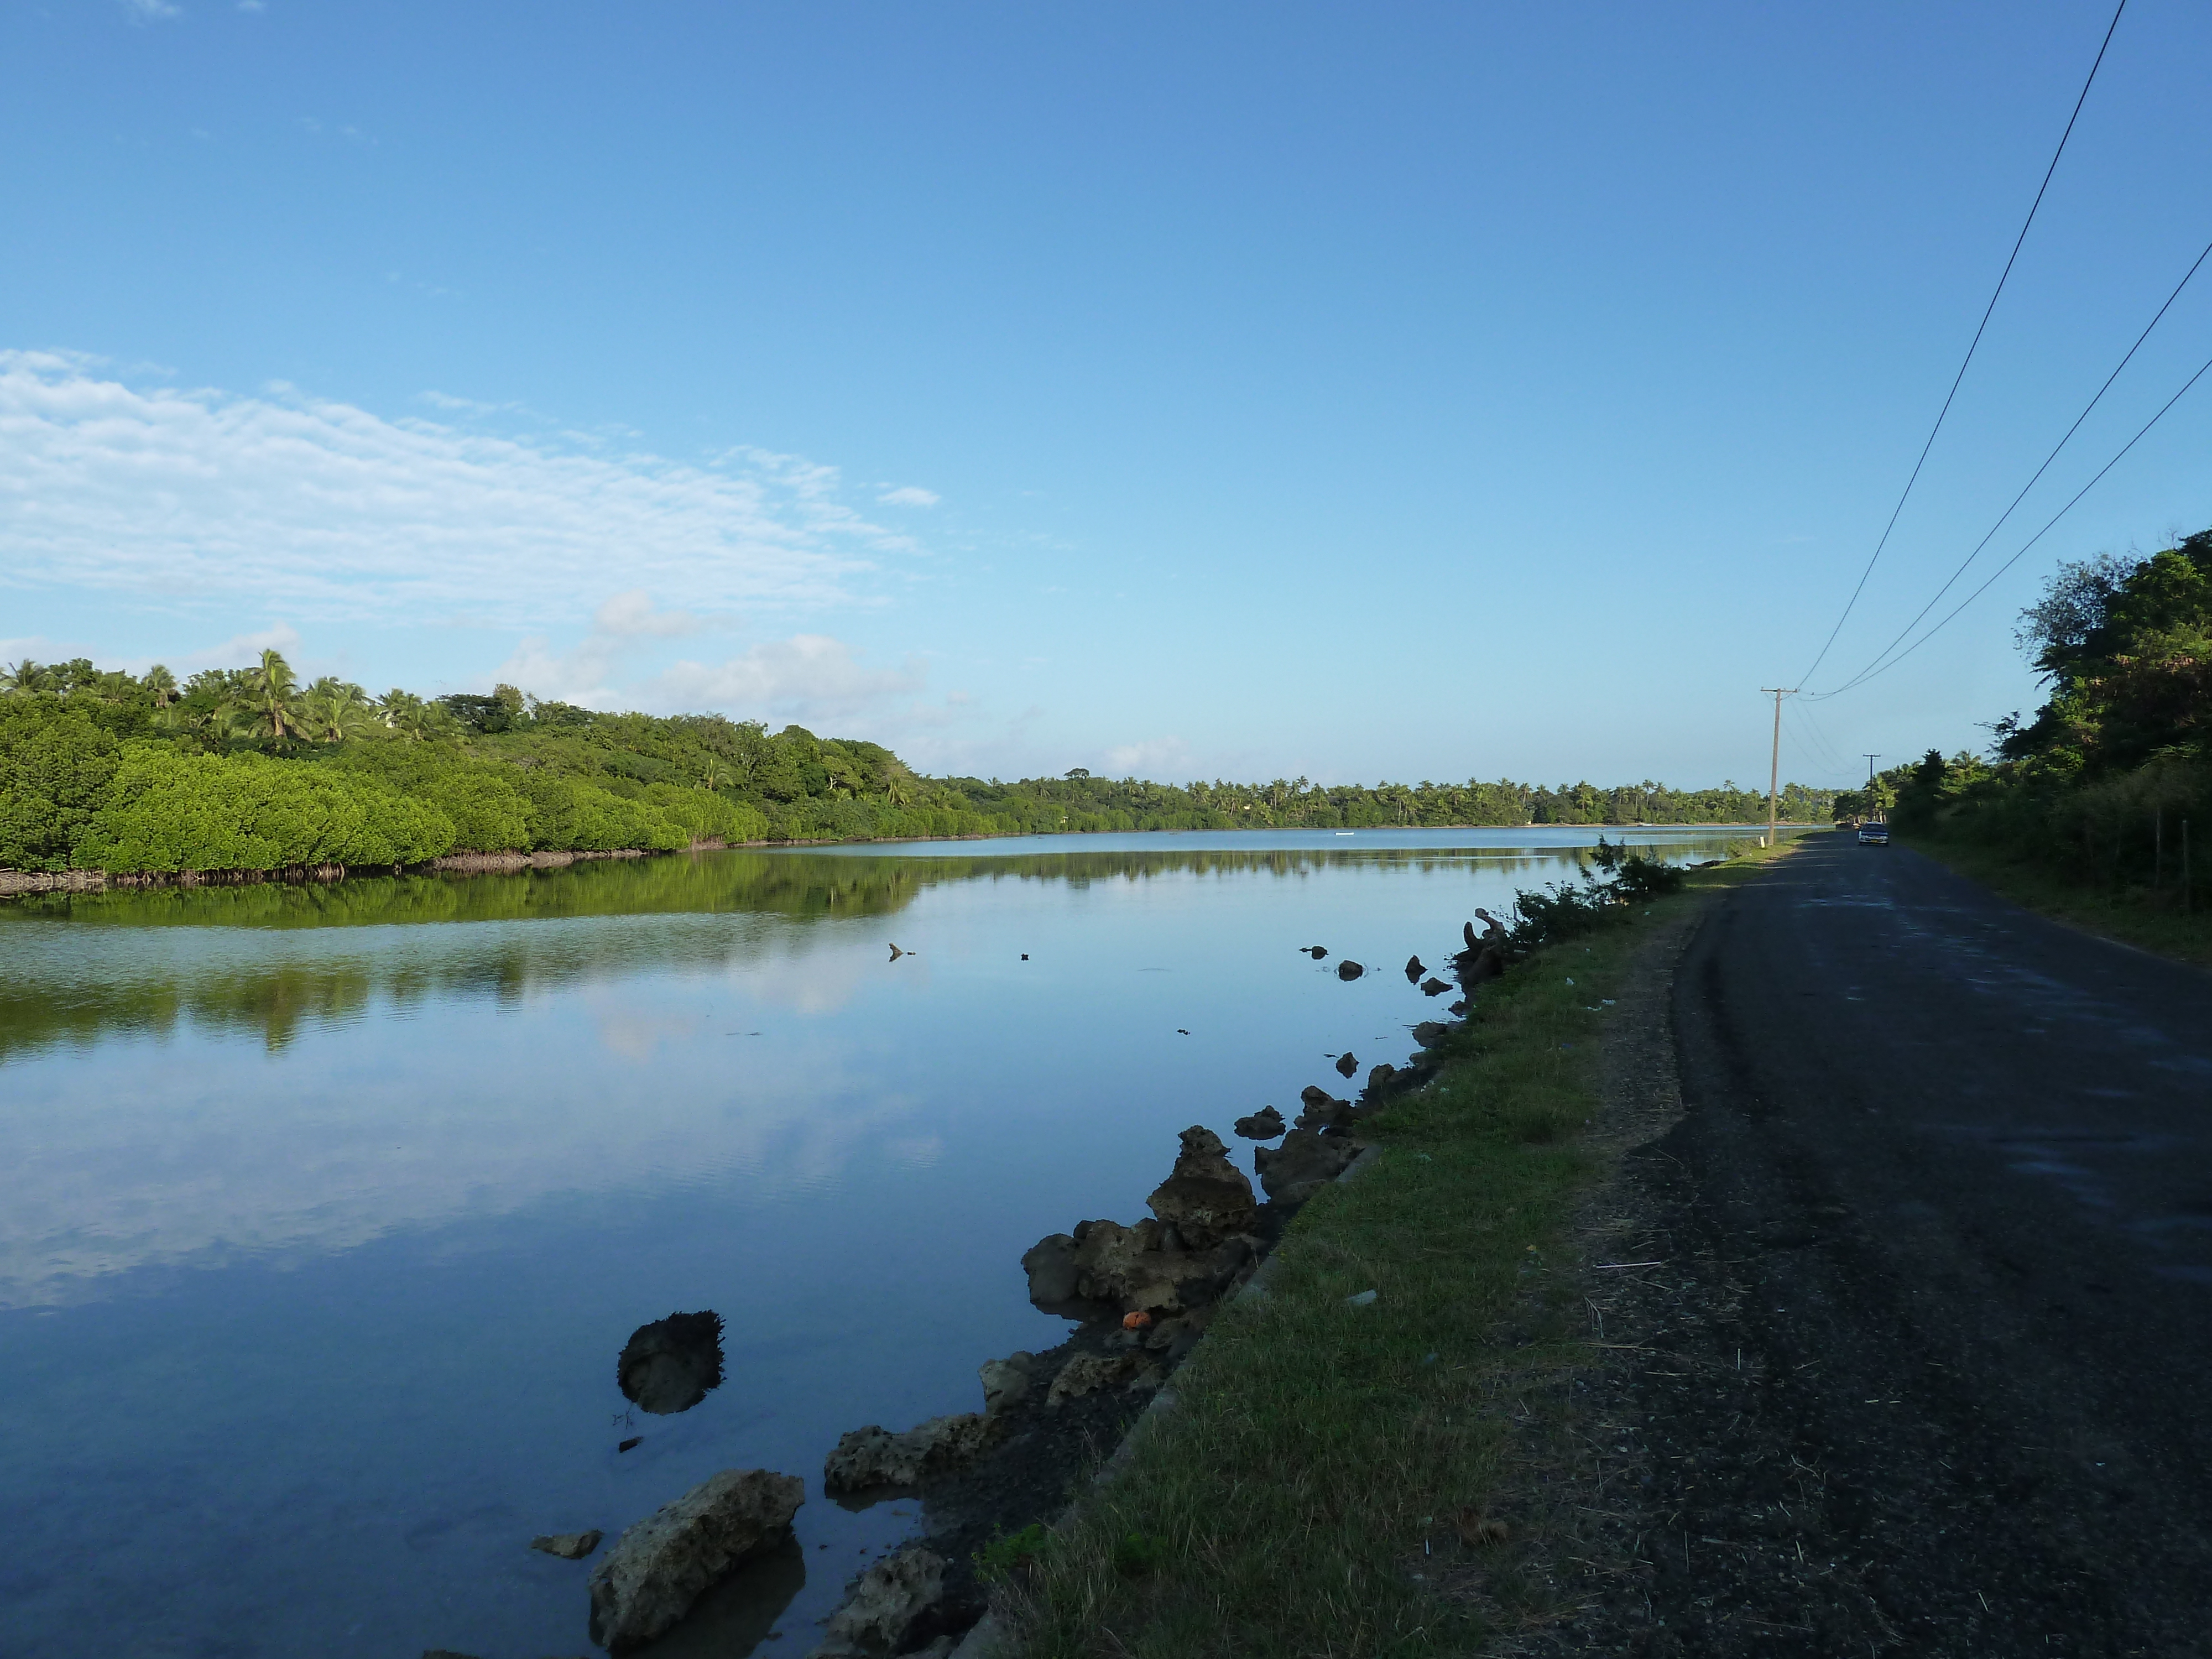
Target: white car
point(1874, 835)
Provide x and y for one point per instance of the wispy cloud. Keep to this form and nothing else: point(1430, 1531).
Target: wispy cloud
point(151, 11)
point(584, 674)
point(327, 511)
point(808, 677)
point(911, 495)
point(1154, 757)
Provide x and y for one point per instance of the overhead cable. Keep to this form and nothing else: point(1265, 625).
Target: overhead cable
point(1876, 666)
point(1869, 674)
point(1972, 345)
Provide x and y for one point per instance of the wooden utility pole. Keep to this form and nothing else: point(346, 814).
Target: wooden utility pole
point(1774, 767)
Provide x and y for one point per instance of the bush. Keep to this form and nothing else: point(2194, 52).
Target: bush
point(55, 765)
point(167, 812)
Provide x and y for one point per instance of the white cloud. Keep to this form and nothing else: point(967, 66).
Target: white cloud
point(151, 11)
point(212, 498)
point(623, 624)
point(808, 677)
point(241, 649)
point(1156, 757)
point(911, 495)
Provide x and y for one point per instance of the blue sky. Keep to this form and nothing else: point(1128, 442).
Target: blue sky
point(1427, 391)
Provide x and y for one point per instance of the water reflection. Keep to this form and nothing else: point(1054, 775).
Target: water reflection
point(672, 1364)
point(325, 1208)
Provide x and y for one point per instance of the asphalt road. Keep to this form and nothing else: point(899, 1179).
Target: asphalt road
point(1930, 1358)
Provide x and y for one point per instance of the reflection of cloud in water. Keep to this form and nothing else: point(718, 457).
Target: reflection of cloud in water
point(219, 1161)
point(917, 1152)
point(634, 1034)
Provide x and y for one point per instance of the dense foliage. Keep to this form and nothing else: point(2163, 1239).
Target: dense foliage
point(2100, 783)
point(246, 769)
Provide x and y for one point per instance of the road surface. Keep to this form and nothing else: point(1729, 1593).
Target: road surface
point(1930, 1355)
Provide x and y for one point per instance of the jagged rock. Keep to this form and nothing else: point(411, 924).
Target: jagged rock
point(1087, 1373)
point(1050, 1264)
point(1473, 967)
point(1316, 951)
point(884, 1605)
point(1433, 987)
point(569, 1546)
point(874, 1457)
point(1380, 1077)
point(1349, 970)
point(1206, 1198)
point(1006, 1381)
point(1263, 1125)
point(1324, 1110)
point(669, 1365)
point(1413, 969)
point(1304, 1163)
point(1135, 1268)
point(1429, 1033)
point(1457, 1009)
point(1346, 1063)
point(659, 1567)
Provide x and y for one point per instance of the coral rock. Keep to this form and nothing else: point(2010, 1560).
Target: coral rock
point(659, 1567)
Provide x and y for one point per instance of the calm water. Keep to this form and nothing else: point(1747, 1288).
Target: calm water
point(327, 1211)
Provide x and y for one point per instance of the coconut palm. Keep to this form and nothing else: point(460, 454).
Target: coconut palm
point(23, 678)
point(162, 685)
point(267, 709)
point(332, 711)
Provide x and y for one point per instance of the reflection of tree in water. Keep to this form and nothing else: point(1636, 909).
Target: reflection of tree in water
point(223, 993)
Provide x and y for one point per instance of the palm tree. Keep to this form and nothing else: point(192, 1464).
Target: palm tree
point(710, 774)
point(331, 711)
point(22, 680)
point(268, 708)
point(898, 789)
point(162, 684)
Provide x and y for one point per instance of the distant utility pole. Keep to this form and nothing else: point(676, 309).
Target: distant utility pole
point(1774, 767)
point(1870, 760)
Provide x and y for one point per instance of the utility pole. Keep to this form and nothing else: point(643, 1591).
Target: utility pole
point(1870, 760)
point(1774, 767)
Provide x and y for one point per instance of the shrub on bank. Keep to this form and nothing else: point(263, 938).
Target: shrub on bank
point(164, 812)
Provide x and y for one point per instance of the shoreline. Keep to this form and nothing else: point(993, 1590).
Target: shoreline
point(15, 883)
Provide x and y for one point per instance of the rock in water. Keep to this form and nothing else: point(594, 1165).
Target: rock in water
point(1349, 970)
point(669, 1365)
point(1263, 1125)
point(1430, 1032)
point(1006, 1381)
point(876, 1457)
point(1433, 987)
point(1316, 951)
point(1302, 1165)
point(884, 1605)
point(1323, 1109)
point(659, 1567)
point(1050, 1264)
point(569, 1546)
point(1413, 969)
point(1346, 1063)
point(1087, 1373)
point(1206, 1198)
point(1379, 1078)
point(1134, 1268)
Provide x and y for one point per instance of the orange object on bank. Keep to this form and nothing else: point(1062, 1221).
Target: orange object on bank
point(1135, 1321)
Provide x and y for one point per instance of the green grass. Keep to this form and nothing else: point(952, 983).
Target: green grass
point(2149, 919)
point(1316, 1454)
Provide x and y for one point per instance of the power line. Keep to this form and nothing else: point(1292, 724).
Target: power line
point(1874, 666)
point(1869, 674)
point(1972, 346)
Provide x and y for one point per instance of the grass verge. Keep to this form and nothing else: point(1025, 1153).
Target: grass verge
point(2150, 920)
point(1326, 1480)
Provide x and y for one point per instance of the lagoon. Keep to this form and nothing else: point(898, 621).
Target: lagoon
point(328, 1209)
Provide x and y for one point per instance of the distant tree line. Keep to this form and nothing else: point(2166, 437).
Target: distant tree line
point(247, 769)
point(2097, 786)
